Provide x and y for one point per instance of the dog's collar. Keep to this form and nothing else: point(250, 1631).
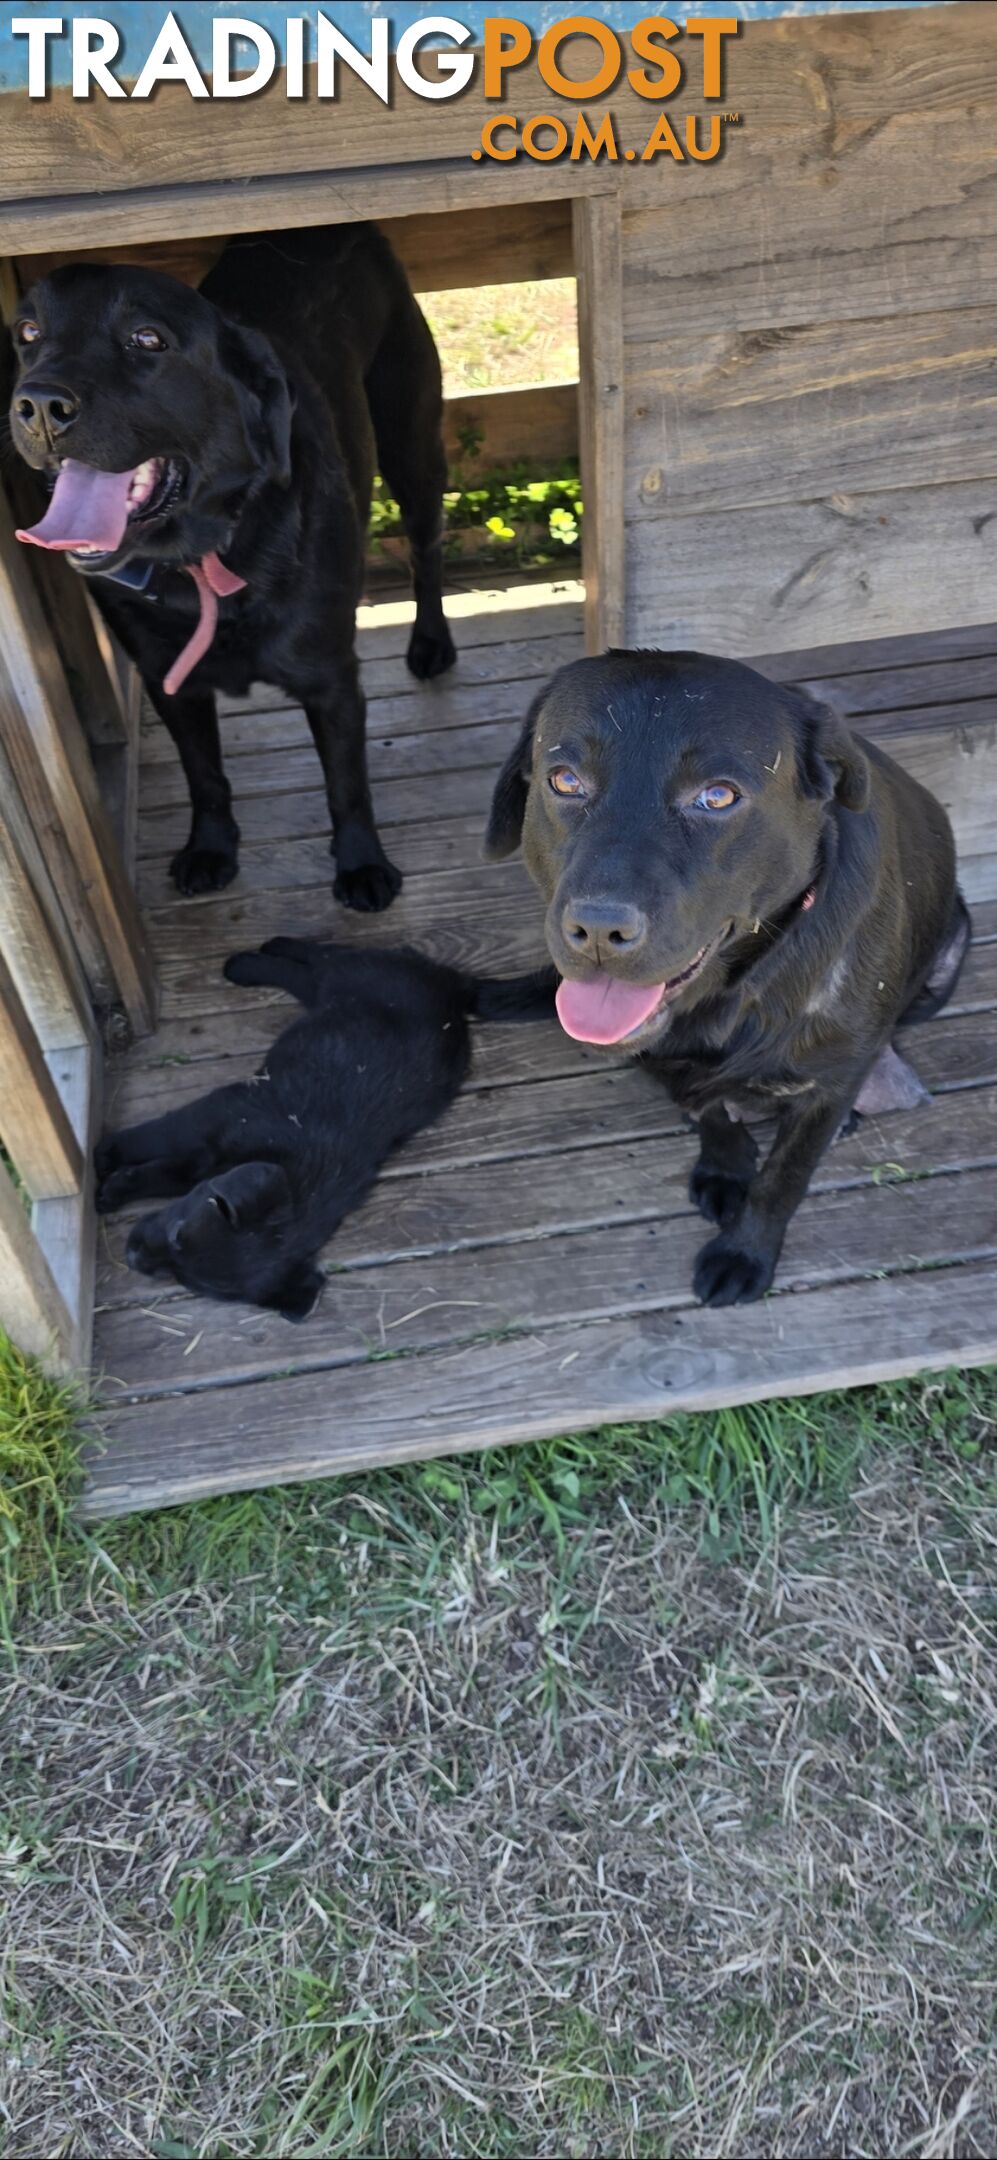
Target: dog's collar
point(795, 908)
point(138, 574)
point(214, 582)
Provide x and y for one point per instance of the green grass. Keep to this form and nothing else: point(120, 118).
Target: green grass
point(39, 1446)
point(623, 1794)
point(734, 1466)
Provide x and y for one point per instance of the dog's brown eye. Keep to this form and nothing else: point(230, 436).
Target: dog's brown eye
point(718, 796)
point(565, 782)
point(27, 332)
point(147, 340)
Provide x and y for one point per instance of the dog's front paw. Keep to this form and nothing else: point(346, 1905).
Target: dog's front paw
point(430, 653)
point(146, 1252)
point(243, 968)
point(203, 869)
point(727, 1273)
point(717, 1195)
point(105, 1157)
point(369, 888)
point(114, 1189)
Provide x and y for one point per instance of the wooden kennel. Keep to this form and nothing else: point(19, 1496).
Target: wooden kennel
point(787, 424)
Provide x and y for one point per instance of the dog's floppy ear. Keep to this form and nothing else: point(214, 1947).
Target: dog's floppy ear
point(269, 399)
point(251, 1192)
point(299, 1292)
point(832, 763)
point(505, 818)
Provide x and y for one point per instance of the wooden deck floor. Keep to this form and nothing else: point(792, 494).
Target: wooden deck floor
point(524, 1268)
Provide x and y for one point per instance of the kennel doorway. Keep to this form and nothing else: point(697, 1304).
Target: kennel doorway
point(80, 975)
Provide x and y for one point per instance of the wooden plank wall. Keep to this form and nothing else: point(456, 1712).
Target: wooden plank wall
point(811, 349)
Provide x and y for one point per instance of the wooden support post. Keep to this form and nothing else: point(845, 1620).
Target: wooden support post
point(34, 1127)
point(49, 1104)
point(66, 1227)
point(32, 1308)
point(598, 242)
point(53, 766)
point(35, 938)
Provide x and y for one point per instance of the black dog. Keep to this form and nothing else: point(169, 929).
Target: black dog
point(747, 896)
point(212, 456)
point(276, 1162)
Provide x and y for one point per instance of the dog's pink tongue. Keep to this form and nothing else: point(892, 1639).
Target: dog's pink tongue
point(88, 509)
point(603, 1010)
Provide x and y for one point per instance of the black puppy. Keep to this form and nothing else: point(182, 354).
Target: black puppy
point(276, 1162)
point(745, 895)
point(212, 456)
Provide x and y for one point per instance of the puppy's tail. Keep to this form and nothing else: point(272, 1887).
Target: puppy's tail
point(945, 969)
point(512, 997)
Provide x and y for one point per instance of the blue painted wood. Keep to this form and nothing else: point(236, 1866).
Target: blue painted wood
point(139, 20)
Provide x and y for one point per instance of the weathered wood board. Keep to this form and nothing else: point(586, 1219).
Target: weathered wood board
point(840, 566)
point(839, 76)
point(779, 415)
point(536, 425)
point(531, 1384)
point(811, 412)
point(504, 243)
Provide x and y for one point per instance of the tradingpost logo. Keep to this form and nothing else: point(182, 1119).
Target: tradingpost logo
point(658, 64)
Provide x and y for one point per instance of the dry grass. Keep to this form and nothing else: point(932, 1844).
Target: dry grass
point(500, 336)
point(524, 1806)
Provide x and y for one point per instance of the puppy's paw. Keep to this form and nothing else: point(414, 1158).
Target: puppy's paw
point(307, 950)
point(203, 869)
point(143, 1253)
point(430, 653)
point(717, 1195)
point(242, 967)
point(369, 888)
point(727, 1273)
point(114, 1190)
point(105, 1157)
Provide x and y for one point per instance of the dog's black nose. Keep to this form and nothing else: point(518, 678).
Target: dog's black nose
point(603, 929)
point(47, 409)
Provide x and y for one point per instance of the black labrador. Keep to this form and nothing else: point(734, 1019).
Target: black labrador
point(745, 895)
point(211, 456)
point(268, 1168)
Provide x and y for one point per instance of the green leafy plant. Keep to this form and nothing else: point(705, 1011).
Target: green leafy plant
point(518, 518)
